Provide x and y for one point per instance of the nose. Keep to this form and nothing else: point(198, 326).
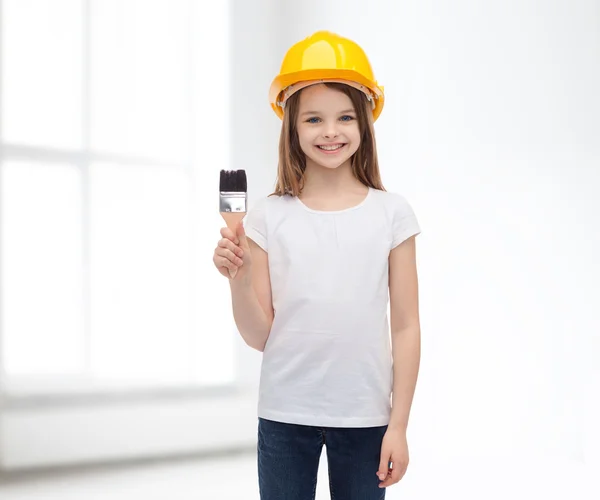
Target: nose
point(330, 130)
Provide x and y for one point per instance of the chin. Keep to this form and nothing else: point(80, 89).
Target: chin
point(331, 165)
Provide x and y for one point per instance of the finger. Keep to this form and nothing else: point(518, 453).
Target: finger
point(221, 261)
point(241, 235)
point(401, 473)
point(388, 480)
point(225, 272)
point(228, 233)
point(223, 253)
point(228, 264)
point(229, 255)
point(225, 243)
point(384, 465)
point(396, 474)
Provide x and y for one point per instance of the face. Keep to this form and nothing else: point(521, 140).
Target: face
point(327, 127)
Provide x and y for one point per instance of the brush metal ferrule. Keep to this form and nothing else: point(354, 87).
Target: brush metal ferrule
point(232, 201)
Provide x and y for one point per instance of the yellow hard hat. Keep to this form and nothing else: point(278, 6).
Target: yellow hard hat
point(325, 57)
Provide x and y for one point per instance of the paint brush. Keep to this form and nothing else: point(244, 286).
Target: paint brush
point(233, 198)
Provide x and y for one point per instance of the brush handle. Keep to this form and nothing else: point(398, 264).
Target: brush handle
point(232, 219)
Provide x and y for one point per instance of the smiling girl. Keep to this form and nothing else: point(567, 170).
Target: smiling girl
point(318, 261)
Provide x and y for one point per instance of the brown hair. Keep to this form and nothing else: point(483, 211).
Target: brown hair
point(292, 161)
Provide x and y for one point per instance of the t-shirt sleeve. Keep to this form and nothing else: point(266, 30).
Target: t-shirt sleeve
point(405, 223)
point(255, 223)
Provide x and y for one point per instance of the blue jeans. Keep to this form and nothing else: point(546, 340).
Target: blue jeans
point(288, 460)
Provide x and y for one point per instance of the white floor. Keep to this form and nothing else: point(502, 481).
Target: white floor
point(234, 478)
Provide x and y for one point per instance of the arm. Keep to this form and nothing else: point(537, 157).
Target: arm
point(251, 298)
point(406, 352)
point(405, 330)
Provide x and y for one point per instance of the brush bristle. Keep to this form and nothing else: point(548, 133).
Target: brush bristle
point(233, 181)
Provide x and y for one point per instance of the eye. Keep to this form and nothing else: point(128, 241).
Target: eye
point(346, 118)
point(314, 119)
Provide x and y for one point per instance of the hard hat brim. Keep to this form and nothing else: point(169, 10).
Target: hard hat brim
point(282, 81)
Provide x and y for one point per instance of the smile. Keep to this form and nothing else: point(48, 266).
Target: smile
point(330, 148)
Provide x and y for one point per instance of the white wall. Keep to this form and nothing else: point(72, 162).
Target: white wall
point(491, 131)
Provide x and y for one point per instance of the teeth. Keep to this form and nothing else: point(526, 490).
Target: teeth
point(331, 148)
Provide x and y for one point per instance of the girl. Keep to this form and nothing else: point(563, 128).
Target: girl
point(316, 263)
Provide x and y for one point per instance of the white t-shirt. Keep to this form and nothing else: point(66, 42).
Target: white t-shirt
point(328, 360)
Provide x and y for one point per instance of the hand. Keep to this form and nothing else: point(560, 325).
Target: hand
point(394, 448)
point(232, 256)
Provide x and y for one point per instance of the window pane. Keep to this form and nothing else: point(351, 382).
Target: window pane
point(141, 277)
point(140, 78)
point(42, 72)
point(41, 268)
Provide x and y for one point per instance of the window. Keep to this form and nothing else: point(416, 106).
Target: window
point(112, 135)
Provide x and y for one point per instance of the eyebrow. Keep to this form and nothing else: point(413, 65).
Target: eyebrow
point(316, 112)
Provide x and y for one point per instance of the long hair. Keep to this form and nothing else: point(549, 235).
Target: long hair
point(292, 161)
